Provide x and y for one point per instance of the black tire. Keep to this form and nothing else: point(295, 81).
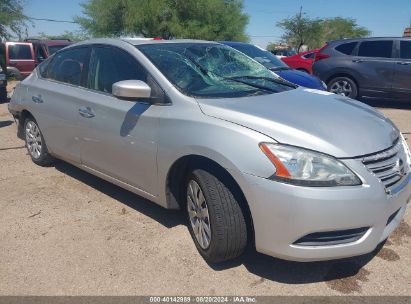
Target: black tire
point(227, 221)
point(333, 83)
point(43, 158)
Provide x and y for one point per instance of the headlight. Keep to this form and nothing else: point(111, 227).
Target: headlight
point(303, 167)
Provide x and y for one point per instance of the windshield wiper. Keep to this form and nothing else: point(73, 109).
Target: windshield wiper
point(275, 80)
point(283, 68)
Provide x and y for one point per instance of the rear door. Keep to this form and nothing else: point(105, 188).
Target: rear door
point(21, 56)
point(375, 65)
point(119, 137)
point(55, 99)
point(402, 78)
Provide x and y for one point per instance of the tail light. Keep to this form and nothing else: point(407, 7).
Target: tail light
point(321, 56)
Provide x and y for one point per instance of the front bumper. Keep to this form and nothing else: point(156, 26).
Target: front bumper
point(283, 214)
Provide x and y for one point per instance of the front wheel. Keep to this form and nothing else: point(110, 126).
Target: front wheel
point(35, 143)
point(216, 221)
point(343, 86)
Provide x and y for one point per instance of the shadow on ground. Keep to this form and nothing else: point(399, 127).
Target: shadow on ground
point(168, 218)
point(5, 123)
point(387, 103)
point(266, 267)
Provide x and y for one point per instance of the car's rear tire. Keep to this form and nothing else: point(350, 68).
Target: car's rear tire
point(36, 146)
point(343, 86)
point(215, 218)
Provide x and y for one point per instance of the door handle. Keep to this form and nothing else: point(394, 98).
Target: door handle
point(86, 112)
point(37, 99)
point(357, 60)
point(402, 63)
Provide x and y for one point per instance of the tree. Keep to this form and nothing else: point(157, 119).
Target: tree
point(303, 30)
point(12, 20)
point(197, 19)
point(300, 30)
point(339, 28)
point(70, 35)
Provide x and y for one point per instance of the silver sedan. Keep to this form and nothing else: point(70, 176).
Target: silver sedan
point(252, 159)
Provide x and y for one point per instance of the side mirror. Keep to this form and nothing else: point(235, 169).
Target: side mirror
point(130, 89)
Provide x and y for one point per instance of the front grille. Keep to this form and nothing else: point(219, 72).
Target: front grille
point(330, 238)
point(390, 166)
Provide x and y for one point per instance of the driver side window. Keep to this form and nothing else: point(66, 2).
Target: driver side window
point(108, 66)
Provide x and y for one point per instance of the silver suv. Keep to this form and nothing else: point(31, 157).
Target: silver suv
point(252, 159)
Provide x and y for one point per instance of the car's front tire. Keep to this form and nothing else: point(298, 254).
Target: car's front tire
point(343, 86)
point(216, 221)
point(36, 146)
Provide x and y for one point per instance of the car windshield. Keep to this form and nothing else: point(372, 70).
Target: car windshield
point(212, 70)
point(55, 48)
point(262, 56)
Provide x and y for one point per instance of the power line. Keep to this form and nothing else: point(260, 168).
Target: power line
point(51, 20)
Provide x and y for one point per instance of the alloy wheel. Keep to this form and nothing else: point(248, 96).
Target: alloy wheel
point(198, 214)
point(33, 139)
point(341, 87)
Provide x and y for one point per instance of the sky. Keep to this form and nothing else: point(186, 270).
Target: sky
point(381, 17)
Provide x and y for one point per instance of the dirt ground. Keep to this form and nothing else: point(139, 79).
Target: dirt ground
point(66, 232)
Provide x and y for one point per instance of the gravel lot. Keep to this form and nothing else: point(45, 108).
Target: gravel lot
point(66, 232)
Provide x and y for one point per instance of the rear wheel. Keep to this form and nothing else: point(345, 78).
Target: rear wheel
point(343, 86)
point(35, 143)
point(216, 221)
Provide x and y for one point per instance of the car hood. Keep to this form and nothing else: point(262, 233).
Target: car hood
point(300, 78)
point(308, 118)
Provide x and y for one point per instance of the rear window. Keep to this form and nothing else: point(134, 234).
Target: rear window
point(309, 56)
point(346, 48)
point(20, 51)
point(381, 49)
point(405, 50)
point(67, 66)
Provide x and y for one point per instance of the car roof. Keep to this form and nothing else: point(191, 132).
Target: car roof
point(136, 41)
point(367, 39)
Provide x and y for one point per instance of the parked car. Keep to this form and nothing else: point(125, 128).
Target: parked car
point(372, 67)
point(45, 48)
point(3, 86)
point(283, 53)
point(302, 174)
point(302, 62)
point(277, 66)
point(20, 60)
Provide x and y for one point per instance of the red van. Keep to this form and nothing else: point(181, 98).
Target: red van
point(20, 59)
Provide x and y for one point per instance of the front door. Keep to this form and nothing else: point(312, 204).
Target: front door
point(375, 65)
point(118, 137)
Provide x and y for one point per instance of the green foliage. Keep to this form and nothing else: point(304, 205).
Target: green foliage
point(12, 20)
point(302, 30)
point(73, 36)
point(339, 28)
point(197, 19)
